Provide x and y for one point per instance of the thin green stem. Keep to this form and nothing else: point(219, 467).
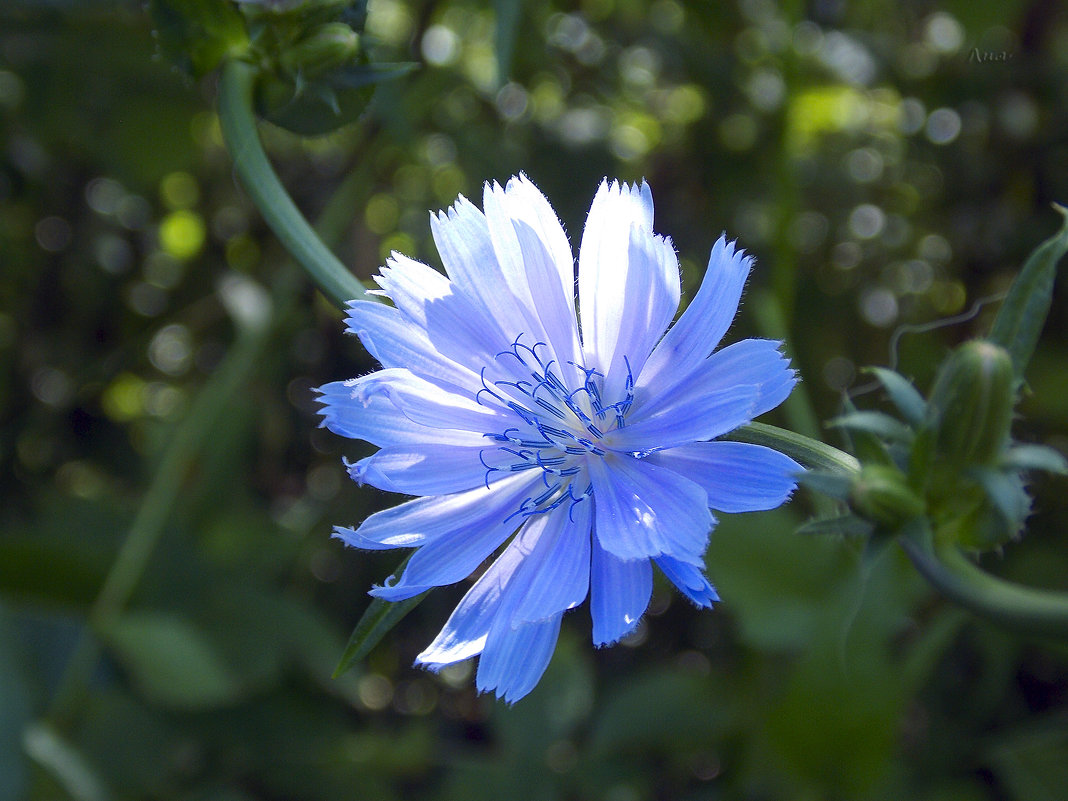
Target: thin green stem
point(155, 509)
point(262, 184)
point(1019, 609)
point(809, 452)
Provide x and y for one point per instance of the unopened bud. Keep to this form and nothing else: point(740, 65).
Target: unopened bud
point(880, 493)
point(970, 407)
point(326, 47)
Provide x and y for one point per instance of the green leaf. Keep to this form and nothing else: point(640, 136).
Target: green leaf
point(1022, 315)
point(882, 425)
point(508, 17)
point(380, 617)
point(841, 526)
point(1035, 457)
point(905, 397)
point(171, 660)
point(198, 34)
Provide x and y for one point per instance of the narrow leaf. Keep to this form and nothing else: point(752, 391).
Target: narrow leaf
point(508, 16)
point(867, 446)
point(842, 526)
point(1035, 457)
point(902, 393)
point(1022, 315)
point(882, 425)
point(380, 617)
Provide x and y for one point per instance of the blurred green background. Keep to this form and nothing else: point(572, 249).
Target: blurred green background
point(889, 164)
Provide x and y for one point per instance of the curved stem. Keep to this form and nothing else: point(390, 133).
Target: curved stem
point(809, 452)
point(1020, 609)
point(262, 184)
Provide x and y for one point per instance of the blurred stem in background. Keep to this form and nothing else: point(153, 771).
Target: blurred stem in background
point(255, 316)
point(251, 311)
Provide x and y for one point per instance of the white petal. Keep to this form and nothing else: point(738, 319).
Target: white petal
point(604, 263)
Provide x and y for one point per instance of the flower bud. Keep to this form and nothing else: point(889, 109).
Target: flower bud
point(326, 47)
point(880, 493)
point(970, 408)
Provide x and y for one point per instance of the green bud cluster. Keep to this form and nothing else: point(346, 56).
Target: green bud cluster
point(948, 462)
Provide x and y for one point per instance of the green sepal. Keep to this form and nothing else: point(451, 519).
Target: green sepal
point(197, 35)
point(868, 447)
point(905, 397)
point(1023, 313)
point(882, 494)
point(376, 622)
point(316, 107)
point(835, 485)
point(1034, 457)
point(877, 423)
point(1008, 497)
point(848, 525)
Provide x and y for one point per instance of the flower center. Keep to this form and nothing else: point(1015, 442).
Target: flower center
point(561, 428)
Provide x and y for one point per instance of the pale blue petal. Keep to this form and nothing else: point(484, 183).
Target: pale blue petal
point(604, 266)
point(690, 580)
point(619, 594)
point(374, 419)
point(429, 404)
point(455, 554)
point(464, 634)
point(462, 236)
point(643, 510)
point(424, 520)
point(705, 415)
point(700, 328)
point(758, 362)
point(556, 571)
point(427, 468)
point(550, 274)
point(514, 659)
point(457, 327)
point(536, 264)
point(649, 301)
point(394, 341)
point(737, 476)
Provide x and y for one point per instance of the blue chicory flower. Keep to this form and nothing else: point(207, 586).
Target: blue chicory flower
point(588, 439)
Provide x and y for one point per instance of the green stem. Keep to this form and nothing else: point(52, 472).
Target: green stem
point(262, 184)
point(1019, 609)
point(155, 510)
point(809, 452)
